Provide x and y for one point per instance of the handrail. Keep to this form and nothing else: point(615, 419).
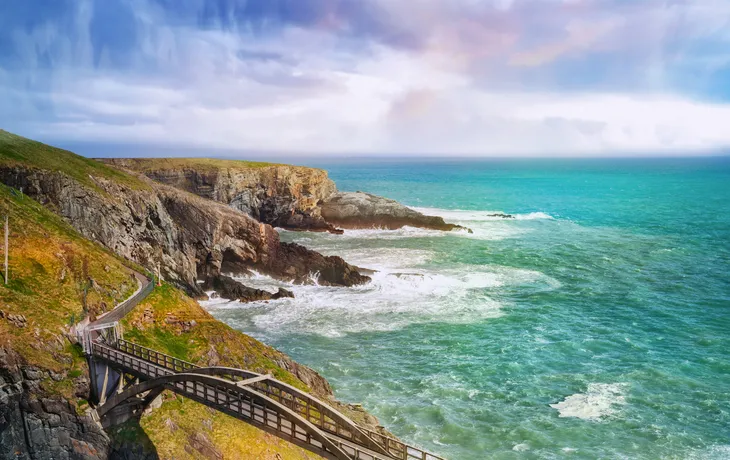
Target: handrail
point(151, 364)
point(239, 401)
point(319, 413)
point(153, 356)
point(290, 396)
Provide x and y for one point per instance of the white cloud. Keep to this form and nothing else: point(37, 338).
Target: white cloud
point(315, 95)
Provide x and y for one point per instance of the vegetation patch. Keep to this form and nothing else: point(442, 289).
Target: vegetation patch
point(171, 322)
point(56, 278)
point(17, 150)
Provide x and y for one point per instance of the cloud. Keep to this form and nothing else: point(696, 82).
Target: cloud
point(470, 77)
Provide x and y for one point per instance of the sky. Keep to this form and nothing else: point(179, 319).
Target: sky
point(361, 77)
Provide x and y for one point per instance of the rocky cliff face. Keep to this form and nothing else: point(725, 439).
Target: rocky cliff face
point(290, 197)
point(279, 195)
point(187, 237)
point(36, 426)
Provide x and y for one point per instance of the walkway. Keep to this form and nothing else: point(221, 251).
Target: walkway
point(127, 377)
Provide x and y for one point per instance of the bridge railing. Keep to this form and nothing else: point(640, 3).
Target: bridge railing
point(311, 409)
point(399, 449)
point(152, 356)
point(242, 402)
point(317, 412)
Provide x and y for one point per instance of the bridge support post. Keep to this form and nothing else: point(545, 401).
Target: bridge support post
point(104, 380)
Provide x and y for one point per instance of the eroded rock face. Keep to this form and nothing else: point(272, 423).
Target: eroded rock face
point(34, 426)
point(363, 210)
point(279, 195)
point(187, 237)
point(291, 197)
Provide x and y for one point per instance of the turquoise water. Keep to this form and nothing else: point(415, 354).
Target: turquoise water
point(595, 325)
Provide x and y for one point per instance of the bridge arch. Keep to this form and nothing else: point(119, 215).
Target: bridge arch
point(301, 403)
point(240, 402)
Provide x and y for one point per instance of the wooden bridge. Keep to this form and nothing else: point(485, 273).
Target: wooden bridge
point(126, 377)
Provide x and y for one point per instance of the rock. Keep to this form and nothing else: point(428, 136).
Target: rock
point(279, 195)
point(501, 215)
point(363, 210)
point(187, 236)
point(17, 320)
point(230, 289)
point(171, 425)
point(301, 263)
point(204, 446)
point(36, 426)
point(179, 325)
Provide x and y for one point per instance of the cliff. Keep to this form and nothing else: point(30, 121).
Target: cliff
point(160, 227)
point(290, 197)
point(279, 195)
point(58, 277)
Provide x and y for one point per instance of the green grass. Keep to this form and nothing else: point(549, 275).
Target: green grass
point(146, 165)
point(49, 267)
point(17, 150)
point(208, 337)
point(233, 438)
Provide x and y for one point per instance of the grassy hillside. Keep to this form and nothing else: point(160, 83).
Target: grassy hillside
point(17, 150)
point(171, 322)
point(56, 277)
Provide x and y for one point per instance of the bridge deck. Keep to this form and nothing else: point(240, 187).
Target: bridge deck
point(254, 404)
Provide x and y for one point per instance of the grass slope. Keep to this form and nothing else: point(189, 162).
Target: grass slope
point(157, 323)
point(56, 276)
point(17, 150)
point(50, 268)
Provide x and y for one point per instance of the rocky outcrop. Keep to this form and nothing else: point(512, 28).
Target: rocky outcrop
point(188, 238)
point(38, 426)
point(363, 210)
point(230, 289)
point(279, 195)
point(290, 197)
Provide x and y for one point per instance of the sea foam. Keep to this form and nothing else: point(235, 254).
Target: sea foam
point(599, 401)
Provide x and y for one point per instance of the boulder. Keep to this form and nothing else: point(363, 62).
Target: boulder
point(230, 289)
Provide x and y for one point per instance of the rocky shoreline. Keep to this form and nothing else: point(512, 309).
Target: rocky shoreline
point(289, 197)
point(193, 241)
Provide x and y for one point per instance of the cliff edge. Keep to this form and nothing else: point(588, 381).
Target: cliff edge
point(289, 197)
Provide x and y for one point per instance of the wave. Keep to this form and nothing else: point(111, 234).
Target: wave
point(599, 401)
point(462, 215)
point(715, 452)
point(396, 298)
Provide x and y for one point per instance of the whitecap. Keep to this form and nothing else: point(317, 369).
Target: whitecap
point(463, 215)
point(599, 401)
point(715, 452)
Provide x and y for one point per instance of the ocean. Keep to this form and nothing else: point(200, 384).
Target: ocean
point(594, 325)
